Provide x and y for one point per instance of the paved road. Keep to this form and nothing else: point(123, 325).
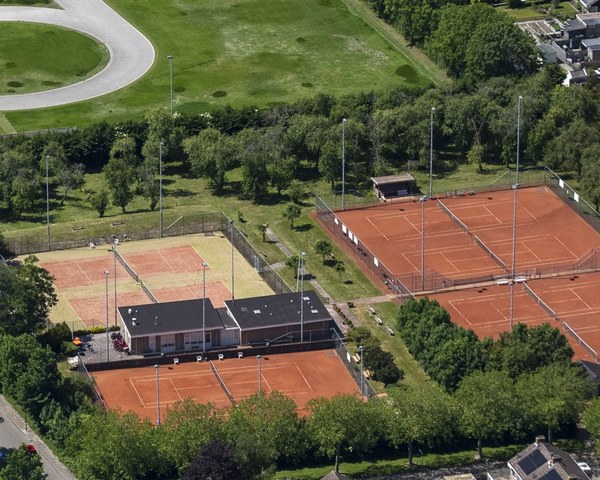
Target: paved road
point(13, 434)
point(131, 54)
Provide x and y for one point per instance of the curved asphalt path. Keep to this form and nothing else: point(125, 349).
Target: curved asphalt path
point(131, 53)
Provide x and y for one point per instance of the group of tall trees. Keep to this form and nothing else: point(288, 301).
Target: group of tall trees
point(278, 145)
point(473, 41)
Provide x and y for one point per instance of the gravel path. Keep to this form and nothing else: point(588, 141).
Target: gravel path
point(131, 53)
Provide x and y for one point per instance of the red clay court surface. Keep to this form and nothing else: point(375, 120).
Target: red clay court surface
point(76, 273)
point(486, 310)
point(183, 259)
point(549, 233)
point(301, 376)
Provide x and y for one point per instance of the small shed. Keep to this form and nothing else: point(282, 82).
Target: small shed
point(392, 186)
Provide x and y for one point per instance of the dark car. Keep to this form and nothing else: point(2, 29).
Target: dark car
point(4, 453)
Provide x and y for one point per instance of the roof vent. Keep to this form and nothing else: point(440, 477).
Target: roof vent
point(129, 311)
point(314, 310)
point(256, 311)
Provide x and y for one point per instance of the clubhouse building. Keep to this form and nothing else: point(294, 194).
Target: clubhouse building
point(179, 326)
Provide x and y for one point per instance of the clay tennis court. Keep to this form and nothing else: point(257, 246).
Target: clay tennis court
point(170, 267)
point(301, 376)
point(486, 311)
point(549, 233)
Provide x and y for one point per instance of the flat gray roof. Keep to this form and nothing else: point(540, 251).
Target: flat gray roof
point(404, 177)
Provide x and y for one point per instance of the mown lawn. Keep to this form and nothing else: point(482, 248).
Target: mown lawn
point(42, 57)
point(242, 52)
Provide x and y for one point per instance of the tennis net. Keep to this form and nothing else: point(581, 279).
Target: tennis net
point(491, 254)
point(220, 380)
point(148, 292)
point(126, 266)
point(540, 302)
point(456, 220)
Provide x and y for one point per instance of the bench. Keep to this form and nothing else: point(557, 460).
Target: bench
point(117, 223)
point(78, 227)
point(390, 331)
point(379, 321)
point(356, 358)
point(371, 309)
point(368, 373)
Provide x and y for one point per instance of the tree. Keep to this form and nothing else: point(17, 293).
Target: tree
point(28, 372)
point(340, 269)
point(293, 263)
point(487, 405)
point(97, 447)
point(22, 464)
point(26, 297)
point(419, 413)
point(323, 248)
point(187, 428)
point(292, 211)
point(215, 461)
point(120, 171)
point(263, 227)
point(211, 155)
point(382, 364)
point(254, 151)
point(591, 419)
point(554, 395)
point(343, 424)
point(263, 429)
point(99, 201)
point(590, 174)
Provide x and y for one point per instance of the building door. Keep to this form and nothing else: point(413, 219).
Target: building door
point(167, 343)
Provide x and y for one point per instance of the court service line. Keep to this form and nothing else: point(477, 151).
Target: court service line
point(175, 388)
point(530, 251)
point(529, 213)
point(451, 302)
point(84, 272)
point(567, 248)
point(376, 228)
point(305, 381)
point(448, 261)
point(492, 214)
point(137, 393)
point(580, 299)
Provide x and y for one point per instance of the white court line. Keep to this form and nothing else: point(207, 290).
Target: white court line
point(305, 381)
point(492, 215)
point(175, 388)
point(581, 299)
point(137, 393)
point(530, 251)
point(378, 230)
point(265, 380)
point(567, 248)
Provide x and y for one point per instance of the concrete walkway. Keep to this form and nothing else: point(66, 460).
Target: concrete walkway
point(131, 53)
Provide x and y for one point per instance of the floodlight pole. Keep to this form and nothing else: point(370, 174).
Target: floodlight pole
point(344, 163)
point(302, 297)
point(204, 265)
point(114, 248)
point(47, 202)
point(514, 236)
point(362, 379)
point(160, 186)
point(431, 153)
point(258, 358)
point(106, 295)
point(156, 367)
point(422, 200)
point(170, 59)
point(232, 266)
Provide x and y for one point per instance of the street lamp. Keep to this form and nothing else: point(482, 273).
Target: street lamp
point(107, 342)
point(344, 163)
point(258, 358)
point(160, 186)
point(232, 269)
point(422, 200)
point(47, 202)
point(204, 265)
point(362, 356)
point(302, 297)
point(514, 236)
point(431, 153)
point(156, 367)
point(170, 59)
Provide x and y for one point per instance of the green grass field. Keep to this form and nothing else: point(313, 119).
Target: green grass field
point(242, 52)
point(538, 11)
point(42, 57)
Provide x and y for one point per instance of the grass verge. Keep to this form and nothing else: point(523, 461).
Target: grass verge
point(43, 57)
